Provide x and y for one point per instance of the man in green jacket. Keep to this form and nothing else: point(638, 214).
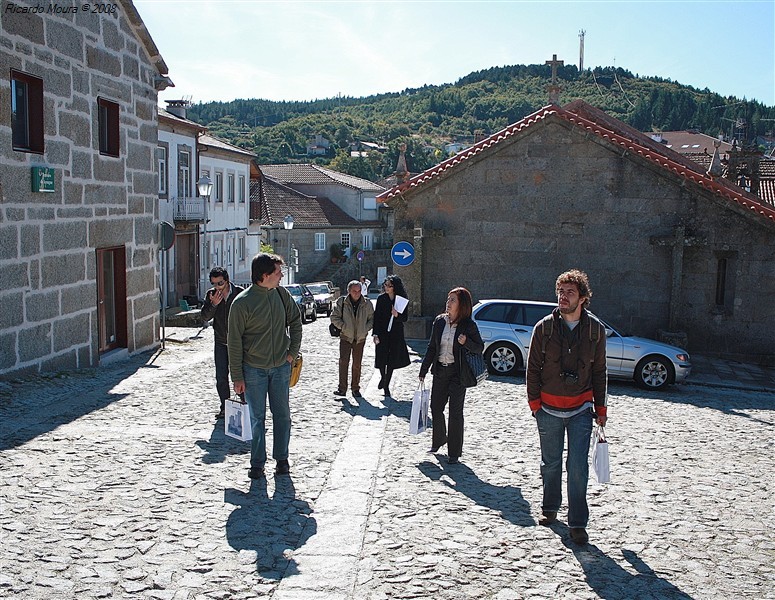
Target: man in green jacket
point(264, 337)
point(354, 316)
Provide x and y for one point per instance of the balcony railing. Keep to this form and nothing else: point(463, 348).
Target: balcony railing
point(188, 209)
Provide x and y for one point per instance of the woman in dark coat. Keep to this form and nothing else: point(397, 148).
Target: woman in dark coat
point(390, 352)
point(452, 331)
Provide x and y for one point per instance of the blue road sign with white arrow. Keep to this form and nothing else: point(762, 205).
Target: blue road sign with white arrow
point(402, 254)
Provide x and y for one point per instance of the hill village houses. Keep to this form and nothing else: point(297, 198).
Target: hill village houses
point(91, 168)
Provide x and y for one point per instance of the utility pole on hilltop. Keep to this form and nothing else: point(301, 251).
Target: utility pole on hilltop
point(581, 50)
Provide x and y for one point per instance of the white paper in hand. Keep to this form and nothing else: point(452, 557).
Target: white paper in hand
point(399, 304)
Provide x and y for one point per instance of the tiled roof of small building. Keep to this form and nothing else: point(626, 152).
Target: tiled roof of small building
point(689, 142)
point(214, 142)
point(598, 123)
point(306, 173)
point(271, 201)
point(164, 114)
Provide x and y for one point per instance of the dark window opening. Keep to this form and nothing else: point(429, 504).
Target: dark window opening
point(26, 112)
point(107, 117)
point(721, 282)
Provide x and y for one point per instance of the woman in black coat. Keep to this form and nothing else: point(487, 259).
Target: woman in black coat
point(452, 331)
point(390, 352)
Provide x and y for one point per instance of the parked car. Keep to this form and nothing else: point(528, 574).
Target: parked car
point(507, 325)
point(305, 300)
point(334, 289)
point(324, 298)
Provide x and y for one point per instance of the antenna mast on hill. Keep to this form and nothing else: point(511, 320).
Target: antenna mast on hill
point(581, 50)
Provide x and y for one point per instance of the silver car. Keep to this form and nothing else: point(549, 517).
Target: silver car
point(507, 325)
point(324, 299)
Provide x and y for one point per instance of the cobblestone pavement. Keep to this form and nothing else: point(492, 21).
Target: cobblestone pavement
point(117, 483)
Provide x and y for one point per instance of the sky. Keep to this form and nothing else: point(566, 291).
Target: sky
point(307, 50)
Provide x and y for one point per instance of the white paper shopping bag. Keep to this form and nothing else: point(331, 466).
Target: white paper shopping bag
point(237, 422)
point(418, 422)
point(600, 456)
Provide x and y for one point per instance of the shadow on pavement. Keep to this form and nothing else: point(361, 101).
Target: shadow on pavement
point(610, 581)
point(507, 499)
point(62, 398)
point(743, 401)
point(269, 526)
point(220, 445)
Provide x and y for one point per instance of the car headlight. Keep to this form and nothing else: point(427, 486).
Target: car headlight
point(682, 357)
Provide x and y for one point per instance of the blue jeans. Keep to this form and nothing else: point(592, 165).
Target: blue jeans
point(275, 383)
point(551, 432)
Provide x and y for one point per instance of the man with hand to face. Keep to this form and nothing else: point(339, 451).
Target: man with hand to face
point(566, 389)
point(216, 307)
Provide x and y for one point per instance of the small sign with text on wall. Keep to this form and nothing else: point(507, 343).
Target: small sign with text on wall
point(42, 179)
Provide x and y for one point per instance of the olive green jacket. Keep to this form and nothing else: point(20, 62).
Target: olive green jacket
point(264, 328)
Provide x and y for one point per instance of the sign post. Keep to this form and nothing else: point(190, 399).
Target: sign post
point(166, 240)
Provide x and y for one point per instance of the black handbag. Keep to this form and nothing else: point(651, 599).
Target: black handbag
point(472, 369)
point(334, 330)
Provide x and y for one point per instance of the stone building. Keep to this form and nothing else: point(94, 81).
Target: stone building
point(668, 247)
point(78, 201)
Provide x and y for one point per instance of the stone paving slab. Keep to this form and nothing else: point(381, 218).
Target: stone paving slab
point(117, 484)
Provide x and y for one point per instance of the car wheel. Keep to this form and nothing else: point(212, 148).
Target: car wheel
point(328, 312)
point(502, 358)
point(304, 319)
point(314, 315)
point(653, 373)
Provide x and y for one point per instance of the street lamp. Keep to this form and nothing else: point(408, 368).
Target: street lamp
point(288, 224)
point(205, 187)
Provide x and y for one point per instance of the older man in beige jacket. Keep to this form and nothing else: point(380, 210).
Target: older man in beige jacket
point(353, 314)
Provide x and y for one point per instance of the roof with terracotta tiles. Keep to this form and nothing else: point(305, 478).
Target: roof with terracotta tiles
point(214, 142)
point(596, 122)
point(165, 115)
point(306, 173)
point(271, 200)
point(687, 142)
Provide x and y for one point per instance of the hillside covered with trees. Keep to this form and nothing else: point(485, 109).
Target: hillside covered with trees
point(479, 104)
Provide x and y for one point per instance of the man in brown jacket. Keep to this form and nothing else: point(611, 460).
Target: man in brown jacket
point(566, 390)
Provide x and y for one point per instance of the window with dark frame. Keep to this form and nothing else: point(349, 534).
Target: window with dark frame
point(107, 117)
point(26, 112)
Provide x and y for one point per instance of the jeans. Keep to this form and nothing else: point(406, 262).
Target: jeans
point(345, 349)
point(275, 383)
point(551, 432)
point(446, 386)
point(222, 372)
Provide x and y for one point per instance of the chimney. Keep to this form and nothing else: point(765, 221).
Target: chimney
point(178, 107)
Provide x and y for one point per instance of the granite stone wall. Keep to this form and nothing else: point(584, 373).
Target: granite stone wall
point(505, 223)
point(48, 241)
